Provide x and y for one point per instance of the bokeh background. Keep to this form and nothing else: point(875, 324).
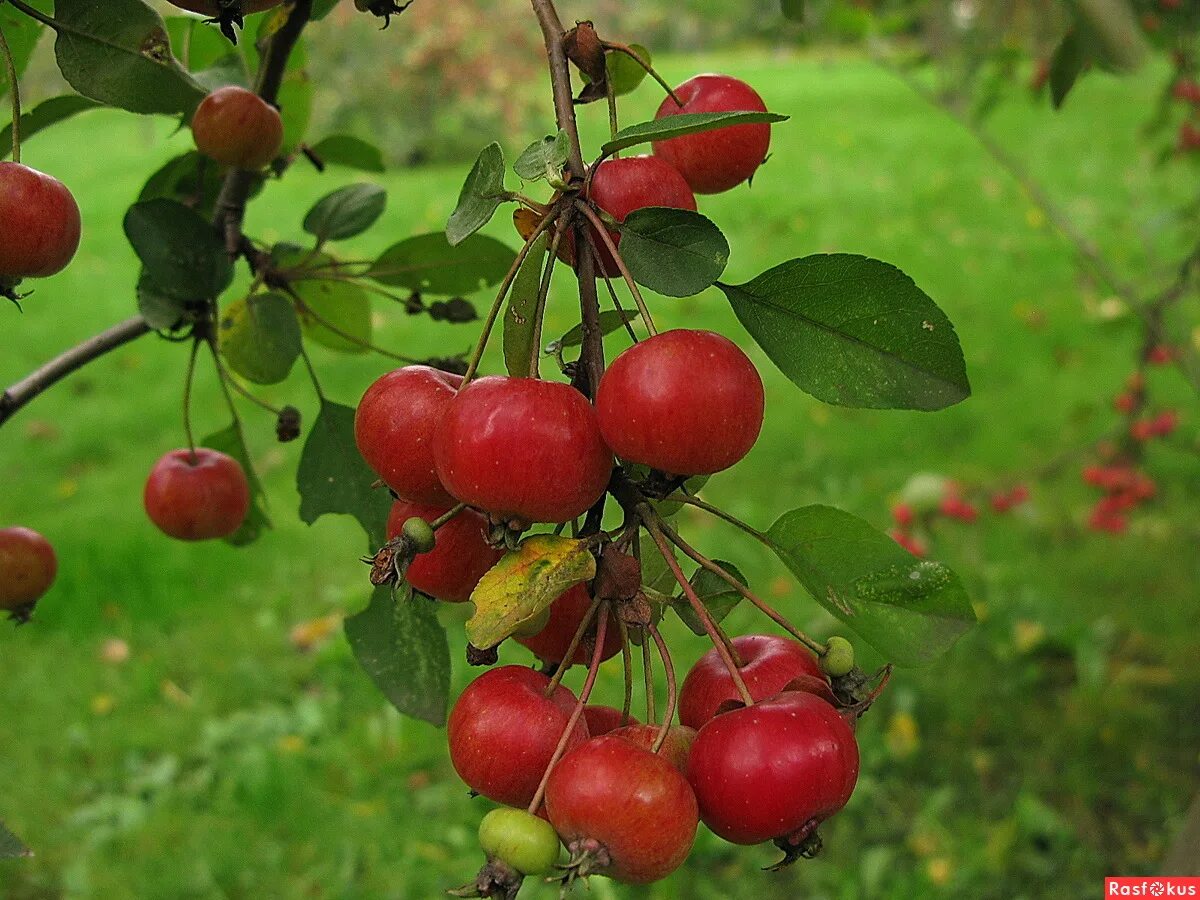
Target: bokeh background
point(187, 721)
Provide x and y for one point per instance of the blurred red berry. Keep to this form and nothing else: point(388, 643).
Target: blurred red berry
point(1161, 354)
point(1136, 381)
point(909, 542)
point(903, 515)
point(1142, 430)
point(1124, 403)
point(1019, 494)
point(1165, 422)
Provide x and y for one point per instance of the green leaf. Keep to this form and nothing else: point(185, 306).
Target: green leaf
point(401, 645)
point(610, 320)
point(11, 846)
point(793, 9)
point(231, 442)
point(520, 316)
point(47, 113)
point(524, 583)
point(295, 101)
point(544, 158)
point(481, 194)
point(190, 177)
point(1068, 62)
point(908, 609)
point(624, 74)
point(854, 331)
point(681, 124)
point(346, 212)
point(676, 252)
point(117, 52)
point(716, 595)
point(260, 337)
point(428, 263)
point(160, 310)
point(180, 249)
point(22, 33)
point(333, 478)
point(201, 46)
point(350, 152)
point(346, 307)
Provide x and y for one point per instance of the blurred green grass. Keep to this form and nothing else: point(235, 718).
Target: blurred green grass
point(1057, 743)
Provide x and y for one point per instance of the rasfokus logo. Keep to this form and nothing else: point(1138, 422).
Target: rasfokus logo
point(1152, 887)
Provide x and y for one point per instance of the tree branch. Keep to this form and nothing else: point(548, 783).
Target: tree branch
point(61, 366)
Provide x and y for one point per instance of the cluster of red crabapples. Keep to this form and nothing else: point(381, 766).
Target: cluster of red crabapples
point(924, 504)
point(764, 749)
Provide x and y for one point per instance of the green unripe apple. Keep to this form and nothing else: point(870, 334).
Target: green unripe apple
point(419, 534)
point(839, 657)
point(523, 841)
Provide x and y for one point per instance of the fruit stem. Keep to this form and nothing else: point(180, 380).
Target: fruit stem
point(11, 69)
point(720, 640)
point(498, 303)
point(602, 230)
point(584, 693)
point(535, 349)
point(312, 374)
point(242, 390)
point(188, 379)
point(627, 666)
point(650, 70)
point(576, 640)
point(696, 556)
point(648, 678)
point(612, 111)
point(721, 514)
point(612, 292)
point(447, 516)
point(672, 690)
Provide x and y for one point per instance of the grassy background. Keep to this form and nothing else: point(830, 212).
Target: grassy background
point(1055, 744)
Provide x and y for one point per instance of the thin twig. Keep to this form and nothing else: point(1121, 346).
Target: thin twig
point(188, 380)
point(672, 689)
point(648, 678)
point(601, 229)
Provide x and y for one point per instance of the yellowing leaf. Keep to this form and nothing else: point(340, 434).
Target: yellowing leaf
point(524, 583)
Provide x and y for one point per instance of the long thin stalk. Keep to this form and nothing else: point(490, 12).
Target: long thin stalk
point(672, 689)
point(602, 230)
point(576, 640)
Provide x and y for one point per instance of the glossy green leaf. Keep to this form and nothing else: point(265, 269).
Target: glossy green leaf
point(544, 158)
point(296, 95)
point(230, 441)
point(11, 846)
point(160, 310)
point(335, 314)
point(193, 178)
point(854, 331)
point(350, 152)
point(481, 194)
point(681, 124)
point(260, 337)
point(333, 478)
point(346, 212)
point(676, 252)
point(428, 263)
point(47, 113)
point(714, 592)
point(198, 45)
point(520, 323)
point(910, 610)
point(610, 320)
point(22, 33)
point(118, 52)
point(400, 644)
point(181, 251)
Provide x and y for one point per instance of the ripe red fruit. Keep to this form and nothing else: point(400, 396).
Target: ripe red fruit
point(394, 428)
point(686, 402)
point(197, 495)
point(909, 542)
point(622, 811)
point(958, 508)
point(1142, 430)
point(459, 558)
point(212, 8)
point(503, 731)
point(1124, 403)
point(774, 770)
point(1165, 423)
point(603, 719)
point(620, 186)
point(236, 127)
point(903, 515)
point(675, 749)
point(1160, 355)
point(40, 223)
point(771, 664)
point(551, 643)
point(27, 569)
point(715, 161)
point(523, 449)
